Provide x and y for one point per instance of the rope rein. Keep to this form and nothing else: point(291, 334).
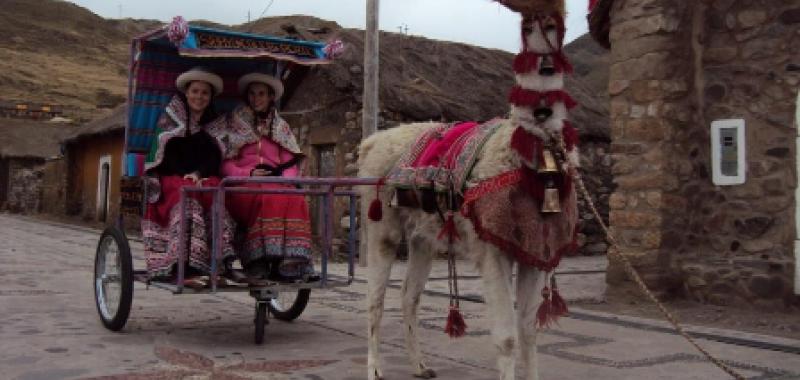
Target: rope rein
point(616, 254)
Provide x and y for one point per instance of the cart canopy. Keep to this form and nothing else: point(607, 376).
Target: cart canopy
point(158, 57)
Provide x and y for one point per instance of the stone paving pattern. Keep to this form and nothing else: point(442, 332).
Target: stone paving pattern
point(49, 329)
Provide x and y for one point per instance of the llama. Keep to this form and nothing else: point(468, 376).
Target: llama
point(515, 145)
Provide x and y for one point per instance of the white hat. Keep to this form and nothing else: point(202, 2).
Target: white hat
point(199, 74)
point(268, 80)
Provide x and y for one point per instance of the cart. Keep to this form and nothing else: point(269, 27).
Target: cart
point(157, 58)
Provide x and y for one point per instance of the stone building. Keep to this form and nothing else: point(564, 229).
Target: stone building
point(24, 147)
point(676, 67)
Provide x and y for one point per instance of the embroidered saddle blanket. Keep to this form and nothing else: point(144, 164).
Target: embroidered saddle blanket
point(441, 158)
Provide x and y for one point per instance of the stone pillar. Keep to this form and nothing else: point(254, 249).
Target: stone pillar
point(650, 77)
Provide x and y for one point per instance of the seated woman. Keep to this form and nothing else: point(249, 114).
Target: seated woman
point(184, 153)
point(277, 244)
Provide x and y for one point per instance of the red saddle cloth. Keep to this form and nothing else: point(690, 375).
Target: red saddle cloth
point(444, 151)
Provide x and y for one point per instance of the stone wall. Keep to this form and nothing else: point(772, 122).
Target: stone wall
point(596, 173)
point(739, 246)
point(675, 68)
point(54, 186)
point(25, 186)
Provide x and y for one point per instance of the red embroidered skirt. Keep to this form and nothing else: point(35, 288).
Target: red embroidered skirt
point(278, 225)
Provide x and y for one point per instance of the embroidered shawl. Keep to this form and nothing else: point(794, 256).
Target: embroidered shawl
point(172, 123)
point(243, 130)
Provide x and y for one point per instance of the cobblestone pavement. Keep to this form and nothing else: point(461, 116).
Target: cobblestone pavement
point(49, 328)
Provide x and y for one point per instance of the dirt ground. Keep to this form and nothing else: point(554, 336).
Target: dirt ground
point(782, 323)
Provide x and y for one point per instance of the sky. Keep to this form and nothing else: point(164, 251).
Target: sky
point(476, 22)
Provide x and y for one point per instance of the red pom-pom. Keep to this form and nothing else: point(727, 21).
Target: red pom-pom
point(544, 313)
point(592, 4)
point(375, 213)
point(559, 306)
point(526, 62)
point(456, 327)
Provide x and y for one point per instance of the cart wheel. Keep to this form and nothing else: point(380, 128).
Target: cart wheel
point(260, 321)
point(113, 279)
point(288, 306)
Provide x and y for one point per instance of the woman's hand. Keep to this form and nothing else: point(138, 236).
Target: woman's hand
point(259, 173)
point(194, 177)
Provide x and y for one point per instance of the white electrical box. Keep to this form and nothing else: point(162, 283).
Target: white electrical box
point(728, 164)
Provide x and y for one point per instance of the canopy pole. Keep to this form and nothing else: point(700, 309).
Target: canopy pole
point(370, 113)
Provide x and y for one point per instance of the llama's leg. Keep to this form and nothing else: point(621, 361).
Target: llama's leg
point(381, 251)
point(495, 268)
point(529, 287)
point(420, 258)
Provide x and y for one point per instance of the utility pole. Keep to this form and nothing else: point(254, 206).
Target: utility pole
point(369, 122)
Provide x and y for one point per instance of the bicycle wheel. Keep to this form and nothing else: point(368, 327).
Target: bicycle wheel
point(113, 279)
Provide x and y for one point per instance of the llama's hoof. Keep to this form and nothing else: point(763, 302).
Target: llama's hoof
point(376, 375)
point(426, 373)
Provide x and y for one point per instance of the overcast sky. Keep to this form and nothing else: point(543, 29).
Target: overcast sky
point(476, 22)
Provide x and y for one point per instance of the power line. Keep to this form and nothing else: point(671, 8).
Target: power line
point(266, 9)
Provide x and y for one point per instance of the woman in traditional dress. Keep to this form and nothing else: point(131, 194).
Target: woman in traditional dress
point(186, 152)
point(277, 242)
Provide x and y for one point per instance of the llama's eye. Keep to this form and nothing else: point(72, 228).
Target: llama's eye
point(550, 28)
point(527, 29)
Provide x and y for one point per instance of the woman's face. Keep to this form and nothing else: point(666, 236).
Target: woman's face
point(198, 95)
point(259, 96)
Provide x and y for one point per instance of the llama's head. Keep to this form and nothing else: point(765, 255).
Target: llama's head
point(542, 33)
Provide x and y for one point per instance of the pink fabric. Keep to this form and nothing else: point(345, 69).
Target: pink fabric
point(435, 151)
point(264, 152)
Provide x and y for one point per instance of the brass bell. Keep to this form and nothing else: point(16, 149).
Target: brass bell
point(551, 203)
point(548, 164)
point(547, 67)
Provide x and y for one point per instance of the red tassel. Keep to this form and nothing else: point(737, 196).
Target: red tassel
point(559, 306)
point(526, 62)
point(570, 135)
point(592, 4)
point(449, 229)
point(562, 63)
point(523, 97)
point(525, 144)
point(375, 210)
point(456, 327)
point(544, 314)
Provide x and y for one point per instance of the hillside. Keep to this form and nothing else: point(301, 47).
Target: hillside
point(60, 52)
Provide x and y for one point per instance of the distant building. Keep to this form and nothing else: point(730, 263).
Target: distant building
point(24, 147)
point(29, 110)
point(93, 155)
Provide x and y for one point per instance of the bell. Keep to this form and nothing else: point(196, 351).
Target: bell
point(548, 164)
point(550, 203)
point(547, 68)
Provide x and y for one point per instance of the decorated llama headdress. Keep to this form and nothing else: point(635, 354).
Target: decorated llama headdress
point(539, 108)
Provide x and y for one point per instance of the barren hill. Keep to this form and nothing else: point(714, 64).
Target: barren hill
point(59, 52)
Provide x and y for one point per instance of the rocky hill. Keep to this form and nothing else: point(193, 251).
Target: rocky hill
point(59, 52)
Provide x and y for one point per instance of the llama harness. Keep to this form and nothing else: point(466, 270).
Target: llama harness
point(505, 210)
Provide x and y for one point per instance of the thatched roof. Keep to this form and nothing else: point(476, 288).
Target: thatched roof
point(113, 122)
point(31, 139)
point(600, 22)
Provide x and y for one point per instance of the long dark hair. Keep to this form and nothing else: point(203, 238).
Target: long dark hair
point(267, 115)
point(209, 114)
